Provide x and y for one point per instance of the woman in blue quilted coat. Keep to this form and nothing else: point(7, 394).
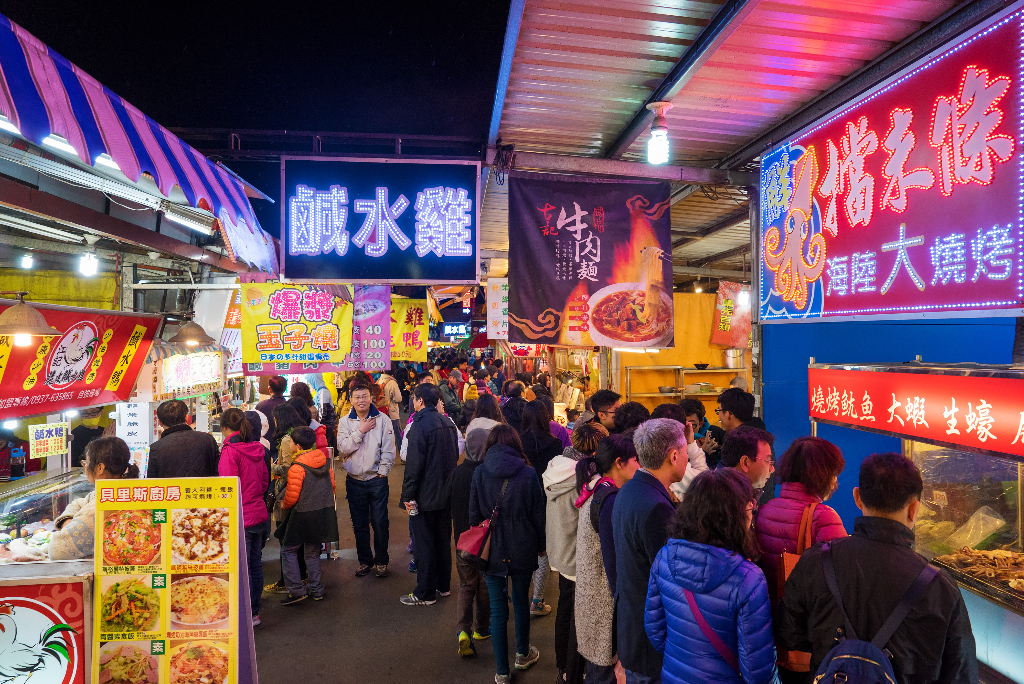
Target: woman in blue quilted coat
point(707, 603)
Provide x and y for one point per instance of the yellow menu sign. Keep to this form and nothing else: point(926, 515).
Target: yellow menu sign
point(167, 581)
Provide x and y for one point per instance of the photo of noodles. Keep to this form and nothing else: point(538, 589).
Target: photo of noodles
point(199, 662)
point(634, 312)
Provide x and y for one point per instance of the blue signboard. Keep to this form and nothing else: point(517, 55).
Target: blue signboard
point(379, 221)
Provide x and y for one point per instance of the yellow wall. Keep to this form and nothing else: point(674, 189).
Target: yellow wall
point(63, 287)
point(694, 316)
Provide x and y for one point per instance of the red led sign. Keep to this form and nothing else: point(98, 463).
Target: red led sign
point(968, 411)
point(908, 201)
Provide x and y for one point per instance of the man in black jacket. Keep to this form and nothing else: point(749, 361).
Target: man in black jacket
point(875, 566)
point(432, 454)
point(181, 451)
point(642, 510)
point(736, 408)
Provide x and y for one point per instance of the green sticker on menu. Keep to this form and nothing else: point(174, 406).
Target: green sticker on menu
point(159, 516)
point(156, 647)
point(159, 581)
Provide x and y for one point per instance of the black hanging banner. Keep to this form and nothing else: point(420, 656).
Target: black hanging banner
point(589, 262)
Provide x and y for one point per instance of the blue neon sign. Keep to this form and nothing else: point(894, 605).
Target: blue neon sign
point(379, 221)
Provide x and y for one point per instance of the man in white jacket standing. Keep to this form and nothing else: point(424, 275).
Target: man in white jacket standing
point(366, 440)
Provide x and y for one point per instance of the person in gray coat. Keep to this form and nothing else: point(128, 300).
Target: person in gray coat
point(181, 451)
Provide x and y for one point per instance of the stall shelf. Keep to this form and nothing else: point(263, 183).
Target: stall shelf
point(680, 380)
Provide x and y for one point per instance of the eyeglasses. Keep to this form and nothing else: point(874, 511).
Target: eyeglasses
point(718, 411)
point(610, 413)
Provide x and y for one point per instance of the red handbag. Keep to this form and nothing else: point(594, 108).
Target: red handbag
point(474, 545)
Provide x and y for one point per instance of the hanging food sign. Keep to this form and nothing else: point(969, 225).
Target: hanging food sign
point(94, 361)
point(409, 330)
point(590, 263)
point(731, 326)
point(294, 324)
point(904, 204)
point(372, 221)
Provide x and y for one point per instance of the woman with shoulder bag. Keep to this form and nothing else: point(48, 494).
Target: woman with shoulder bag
point(707, 604)
point(506, 491)
point(795, 521)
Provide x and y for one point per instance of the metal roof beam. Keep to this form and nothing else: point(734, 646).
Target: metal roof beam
point(726, 20)
point(611, 167)
point(727, 254)
point(729, 221)
point(515, 20)
point(931, 37)
point(710, 273)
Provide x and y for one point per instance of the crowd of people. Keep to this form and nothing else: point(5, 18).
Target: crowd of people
point(676, 560)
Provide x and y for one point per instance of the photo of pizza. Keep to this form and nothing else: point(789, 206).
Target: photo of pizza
point(199, 535)
point(130, 538)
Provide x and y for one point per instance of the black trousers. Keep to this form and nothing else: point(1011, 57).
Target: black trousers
point(433, 552)
point(567, 658)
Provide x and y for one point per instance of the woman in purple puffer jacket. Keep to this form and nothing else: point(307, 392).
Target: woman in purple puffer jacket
point(809, 472)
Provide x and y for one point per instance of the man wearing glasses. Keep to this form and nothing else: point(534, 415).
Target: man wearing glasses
point(735, 410)
point(749, 450)
point(604, 404)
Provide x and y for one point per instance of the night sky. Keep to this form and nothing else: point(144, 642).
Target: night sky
point(377, 66)
point(427, 68)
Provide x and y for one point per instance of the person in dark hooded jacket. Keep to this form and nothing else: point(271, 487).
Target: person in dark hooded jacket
point(181, 451)
point(705, 565)
point(512, 409)
point(517, 538)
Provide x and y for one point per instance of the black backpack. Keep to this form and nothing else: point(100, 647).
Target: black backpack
point(853, 661)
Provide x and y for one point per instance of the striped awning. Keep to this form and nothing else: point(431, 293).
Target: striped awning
point(43, 94)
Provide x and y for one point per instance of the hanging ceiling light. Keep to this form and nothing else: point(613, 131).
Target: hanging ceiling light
point(696, 286)
point(657, 146)
point(191, 334)
point(26, 261)
point(88, 264)
point(744, 297)
point(24, 322)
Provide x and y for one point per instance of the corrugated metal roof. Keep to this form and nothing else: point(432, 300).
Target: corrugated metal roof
point(582, 69)
point(783, 55)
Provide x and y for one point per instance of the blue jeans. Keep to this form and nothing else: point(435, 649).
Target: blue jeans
point(290, 565)
point(497, 589)
point(368, 506)
point(255, 539)
point(637, 678)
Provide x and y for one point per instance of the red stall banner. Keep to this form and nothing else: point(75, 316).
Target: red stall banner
point(45, 628)
point(905, 203)
point(731, 326)
point(94, 361)
point(973, 411)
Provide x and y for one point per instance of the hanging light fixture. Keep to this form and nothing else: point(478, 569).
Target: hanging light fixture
point(24, 322)
point(696, 286)
point(657, 146)
point(191, 334)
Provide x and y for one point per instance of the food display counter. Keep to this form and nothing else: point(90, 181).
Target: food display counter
point(963, 425)
point(28, 508)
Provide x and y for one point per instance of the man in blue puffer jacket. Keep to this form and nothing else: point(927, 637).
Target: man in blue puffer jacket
point(703, 575)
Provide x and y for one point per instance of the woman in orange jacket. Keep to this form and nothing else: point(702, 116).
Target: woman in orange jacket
point(310, 517)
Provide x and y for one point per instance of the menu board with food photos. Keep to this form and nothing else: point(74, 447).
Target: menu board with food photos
point(168, 576)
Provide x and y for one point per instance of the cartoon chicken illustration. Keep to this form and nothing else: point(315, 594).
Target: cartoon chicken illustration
point(19, 659)
point(79, 348)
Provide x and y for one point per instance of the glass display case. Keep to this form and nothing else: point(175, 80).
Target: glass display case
point(29, 506)
point(970, 519)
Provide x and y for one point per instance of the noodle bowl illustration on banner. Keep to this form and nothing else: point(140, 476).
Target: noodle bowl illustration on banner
point(590, 265)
